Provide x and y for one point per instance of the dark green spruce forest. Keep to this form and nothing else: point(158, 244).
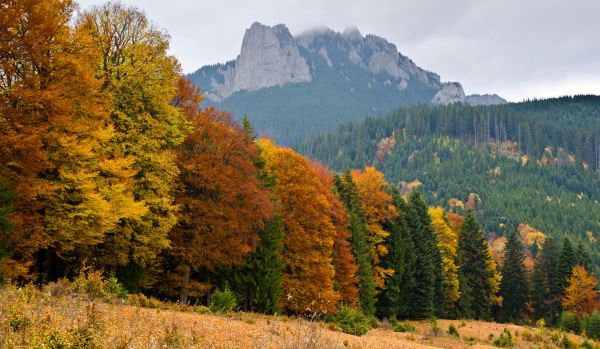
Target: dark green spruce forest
point(534, 162)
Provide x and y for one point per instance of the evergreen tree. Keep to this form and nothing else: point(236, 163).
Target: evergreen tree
point(546, 290)
point(395, 297)
point(514, 287)
point(566, 261)
point(259, 281)
point(583, 257)
point(428, 295)
point(473, 273)
point(348, 193)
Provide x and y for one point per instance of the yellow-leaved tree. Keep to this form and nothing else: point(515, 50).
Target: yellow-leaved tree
point(448, 244)
point(581, 296)
point(140, 78)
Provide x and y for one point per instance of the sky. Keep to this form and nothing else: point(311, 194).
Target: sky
point(518, 49)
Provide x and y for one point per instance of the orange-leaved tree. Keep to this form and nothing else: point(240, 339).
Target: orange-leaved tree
point(308, 243)
point(373, 191)
point(343, 260)
point(581, 296)
point(222, 204)
point(54, 133)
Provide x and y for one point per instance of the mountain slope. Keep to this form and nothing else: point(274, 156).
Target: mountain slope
point(535, 163)
point(294, 87)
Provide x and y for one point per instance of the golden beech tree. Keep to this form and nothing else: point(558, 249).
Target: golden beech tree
point(222, 204)
point(377, 205)
point(343, 259)
point(448, 244)
point(140, 78)
point(308, 243)
point(581, 296)
point(54, 132)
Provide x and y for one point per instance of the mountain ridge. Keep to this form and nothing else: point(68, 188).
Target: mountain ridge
point(319, 77)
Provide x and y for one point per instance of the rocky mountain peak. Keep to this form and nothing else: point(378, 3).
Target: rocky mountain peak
point(451, 92)
point(269, 57)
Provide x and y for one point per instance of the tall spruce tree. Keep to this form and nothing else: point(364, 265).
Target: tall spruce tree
point(514, 285)
point(428, 295)
point(394, 301)
point(346, 189)
point(566, 261)
point(546, 285)
point(583, 257)
point(473, 273)
point(258, 282)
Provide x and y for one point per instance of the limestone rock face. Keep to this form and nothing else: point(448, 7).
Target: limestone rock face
point(451, 92)
point(486, 99)
point(269, 57)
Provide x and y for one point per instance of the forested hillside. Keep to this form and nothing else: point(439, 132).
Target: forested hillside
point(534, 162)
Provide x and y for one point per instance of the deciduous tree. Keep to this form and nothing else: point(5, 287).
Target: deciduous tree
point(581, 296)
point(308, 277)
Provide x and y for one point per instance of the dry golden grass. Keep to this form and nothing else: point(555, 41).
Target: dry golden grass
point(55, 317)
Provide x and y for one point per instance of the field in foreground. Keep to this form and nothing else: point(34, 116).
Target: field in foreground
point(56, 317)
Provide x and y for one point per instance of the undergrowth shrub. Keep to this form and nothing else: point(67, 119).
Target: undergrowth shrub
point(402, 326)
point(94, 285)
point(140, 300)
point(352, 321)
point(570, 322)
point(591, 325)
point(223, 301)
point(452, 331)
point(436, 330)
point(505, 340)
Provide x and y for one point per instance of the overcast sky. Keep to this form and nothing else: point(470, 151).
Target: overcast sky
point(518, 49)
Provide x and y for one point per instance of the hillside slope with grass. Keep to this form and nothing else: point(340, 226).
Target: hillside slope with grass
point(93, 313)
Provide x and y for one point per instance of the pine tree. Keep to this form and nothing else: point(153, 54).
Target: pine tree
point(428, 295)
point(566, 261)
point(546, 285)
point(346, 189)
point(514, 286)
point(474, 275)
point(394, 300)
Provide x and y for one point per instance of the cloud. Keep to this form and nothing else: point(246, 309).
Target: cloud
point(518, 49)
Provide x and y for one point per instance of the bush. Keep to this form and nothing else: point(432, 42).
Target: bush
point(570, 322)
point(115, 288)
point(436, 330)
point(141, 300)
point(568, 344)
point(223, 301)
point(402, 326)
point(592, 325)
point(505, 340)
point(452, 331)
point(94, 285)
point(352, 321)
